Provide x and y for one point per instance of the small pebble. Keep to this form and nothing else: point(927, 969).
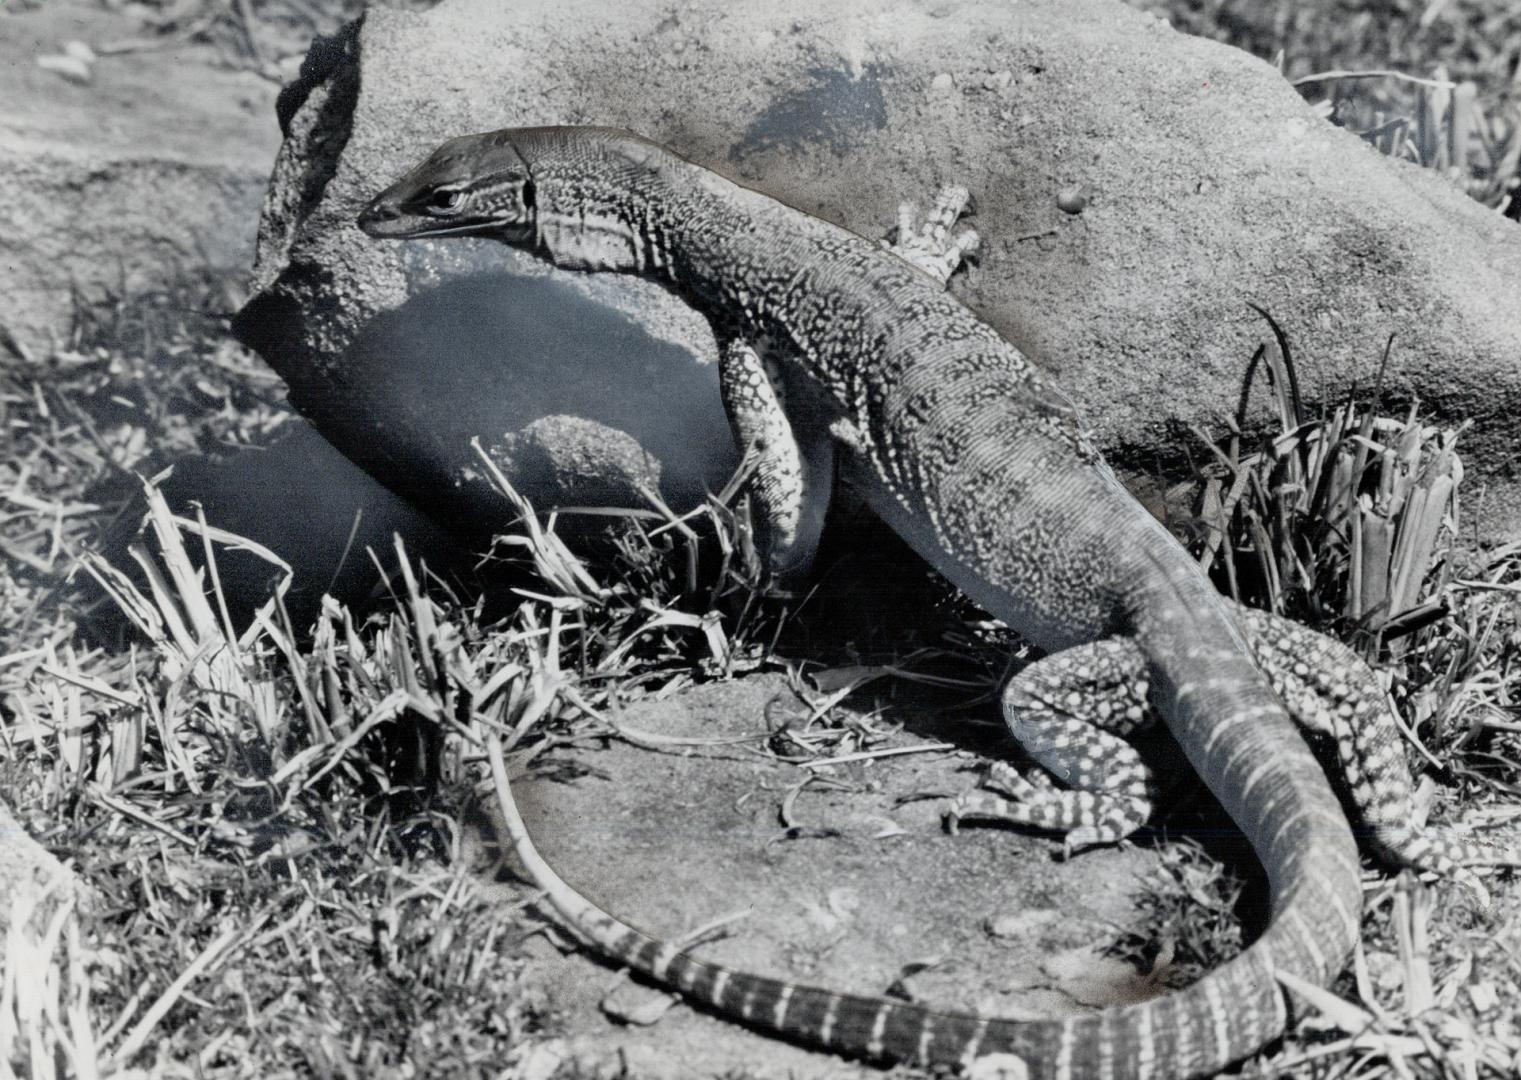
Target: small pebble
point(997, 80)
point(1073, 200)
point(70, 67)
point(943, 83)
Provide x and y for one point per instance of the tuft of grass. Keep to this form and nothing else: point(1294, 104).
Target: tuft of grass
point(1349, 520)
point(1346, 517)
point(255, 866)
point(1437, 123)
point(1189, 926)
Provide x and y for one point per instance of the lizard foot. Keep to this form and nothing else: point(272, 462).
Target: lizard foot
point(1084, 818)
point(930, 246)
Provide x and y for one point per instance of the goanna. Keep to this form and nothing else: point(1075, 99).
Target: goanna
point(983, 466)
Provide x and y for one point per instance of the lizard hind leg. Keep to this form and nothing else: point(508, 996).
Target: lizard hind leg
point(1070, 712)
point(1331, 690)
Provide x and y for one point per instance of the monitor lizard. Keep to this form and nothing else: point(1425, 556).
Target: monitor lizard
point(832, 348)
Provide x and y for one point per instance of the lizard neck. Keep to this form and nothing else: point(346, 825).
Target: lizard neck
point(616, 202)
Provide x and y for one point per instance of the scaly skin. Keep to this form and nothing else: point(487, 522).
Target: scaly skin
point(1074, 711)
point(983, 466)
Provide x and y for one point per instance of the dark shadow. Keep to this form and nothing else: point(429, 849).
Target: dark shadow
point(486, 354)
point(308, 504)
point(832, 108)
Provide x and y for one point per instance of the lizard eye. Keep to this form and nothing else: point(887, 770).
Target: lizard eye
point(445, 201)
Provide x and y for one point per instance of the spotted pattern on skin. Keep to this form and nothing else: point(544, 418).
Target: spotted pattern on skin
point(1112, 792)
point(1070, 711)
point(792, 481)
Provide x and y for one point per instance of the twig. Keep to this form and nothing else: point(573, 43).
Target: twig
point(121, 806)
point(863, 755)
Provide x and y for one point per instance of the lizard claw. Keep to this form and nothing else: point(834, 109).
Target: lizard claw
point(930, 246)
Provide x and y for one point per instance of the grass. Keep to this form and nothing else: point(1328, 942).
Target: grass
point(265, 36)
point(1349, 521)
point(271, 820)
point(1430, 81)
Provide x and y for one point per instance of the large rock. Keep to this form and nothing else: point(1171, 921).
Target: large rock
point(1210, 185)
point(104, 193)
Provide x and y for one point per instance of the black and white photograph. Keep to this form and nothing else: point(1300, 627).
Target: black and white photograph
point(807, 540)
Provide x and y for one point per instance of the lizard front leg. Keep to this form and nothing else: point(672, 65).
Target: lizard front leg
point(794, 465)
point(794, 470)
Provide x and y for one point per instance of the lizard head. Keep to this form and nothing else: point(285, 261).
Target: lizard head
point(575, 195)
point(475, 185)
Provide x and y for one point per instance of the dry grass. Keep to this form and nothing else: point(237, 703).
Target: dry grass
point(268, 816)
point(272, 818)
point(265, 36)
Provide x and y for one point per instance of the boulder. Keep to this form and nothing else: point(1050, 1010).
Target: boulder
point(104, 195)
point(1136, 189)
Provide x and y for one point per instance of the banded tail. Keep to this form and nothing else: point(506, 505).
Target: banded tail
point(1296, 827)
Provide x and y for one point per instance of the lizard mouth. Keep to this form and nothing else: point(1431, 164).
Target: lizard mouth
point(386, 219)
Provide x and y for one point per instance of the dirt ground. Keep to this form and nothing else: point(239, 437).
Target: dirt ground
point(865, 888)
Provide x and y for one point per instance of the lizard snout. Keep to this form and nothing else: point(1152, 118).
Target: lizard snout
point(383, 218)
